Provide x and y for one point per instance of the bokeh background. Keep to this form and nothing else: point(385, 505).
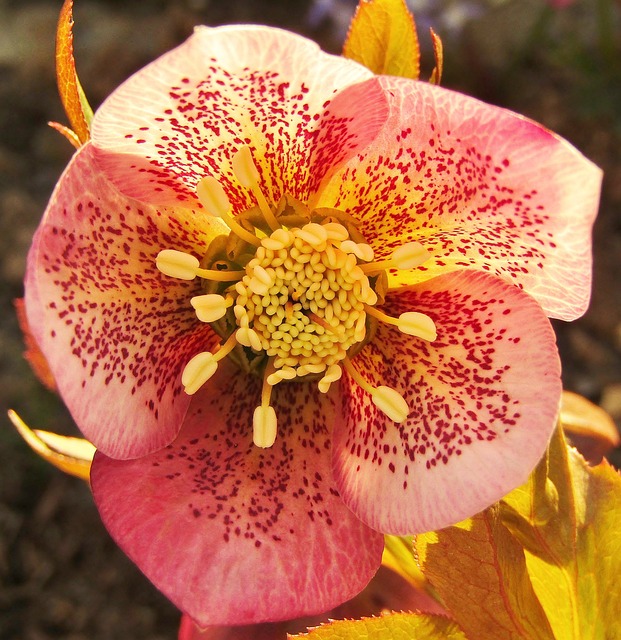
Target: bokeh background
point(559, 63)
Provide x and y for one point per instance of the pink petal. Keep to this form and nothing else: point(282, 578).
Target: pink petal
point(387, 591)
point(483, 401)
point(481, 188)
point(234, 534)
point(184, 116)
point(115, 332)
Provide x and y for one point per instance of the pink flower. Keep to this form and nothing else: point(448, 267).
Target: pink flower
point(411, 242)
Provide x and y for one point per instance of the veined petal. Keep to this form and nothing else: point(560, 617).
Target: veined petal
point(116, 333)
point(483, 397)
point(184, 116)
point(387, 591)
point(234, 534)
point(480, 187)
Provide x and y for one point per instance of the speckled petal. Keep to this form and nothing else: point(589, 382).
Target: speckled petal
point(115, 332)
point(234, 534)
point(480, 187)
point(185, 115)
point(483, 401)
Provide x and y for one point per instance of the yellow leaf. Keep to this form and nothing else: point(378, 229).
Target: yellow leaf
point(382, 36)
point(72, 96)
point(71, 455)
point(568, 516)
point(399, 556)
point(396, 626)
point(478, 569)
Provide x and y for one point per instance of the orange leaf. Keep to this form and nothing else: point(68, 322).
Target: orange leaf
point(74, 101)
point(71, 455)
point(438, 52)
point(588, 427)
point(33, 354)
point(478, 569)
point(67, 132)
point(382, 36)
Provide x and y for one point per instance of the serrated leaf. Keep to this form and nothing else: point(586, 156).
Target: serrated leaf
point(72, 95)
point(396, 626)
point(382, 36)
point(571, 529)
point(71, 455)
point(478, 569)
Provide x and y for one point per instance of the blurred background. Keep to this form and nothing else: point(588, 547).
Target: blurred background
point(557, 62)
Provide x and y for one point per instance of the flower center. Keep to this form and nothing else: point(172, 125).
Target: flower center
point(300, 297)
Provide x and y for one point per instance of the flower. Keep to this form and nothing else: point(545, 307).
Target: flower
point(224, 181)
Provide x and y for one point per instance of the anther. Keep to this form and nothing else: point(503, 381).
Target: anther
point(333, 374)
point(359, 249)
point(411, 323)
point(203, 365)
point(246, 172)
point(264, 423)
point(211, 306)
point(389, 401)
point(214, 199)
point(184, 266)
point(407, 256)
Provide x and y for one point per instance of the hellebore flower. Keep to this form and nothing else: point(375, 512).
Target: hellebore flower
point(376, 258)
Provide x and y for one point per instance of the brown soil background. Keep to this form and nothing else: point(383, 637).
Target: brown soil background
point(60, 574)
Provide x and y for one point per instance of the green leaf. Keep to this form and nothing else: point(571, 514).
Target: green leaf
point(396, 626)
point(568, 516)
point(478, 569)
point(72, 96)
point(382, 36)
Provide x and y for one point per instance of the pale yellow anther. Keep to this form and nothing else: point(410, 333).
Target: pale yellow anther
point(197, 371)
point(264, 426)
point(417, 324)
point(410, 255)
point(286, 373)
point(280, 239)
point(248, 338)
point(359, 249)
point(177, 264)
point(391, 402)
point(244, 168)
point(336, 231)
point(305, 369)
point(262, 275)
point(333, 374)
point(213, 197)
point(210, 307)
point(246, 172)
point(314, 234)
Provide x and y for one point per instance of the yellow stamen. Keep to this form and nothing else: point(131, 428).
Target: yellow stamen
point(359, 249)
point(211, 306)
point(411, 322)
point(389, 401)
point(333, 374)
point(203, 365)
point(246, 172)
point(184, 266)
point(407, 256)
point(264, 423)
point(214, 199)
